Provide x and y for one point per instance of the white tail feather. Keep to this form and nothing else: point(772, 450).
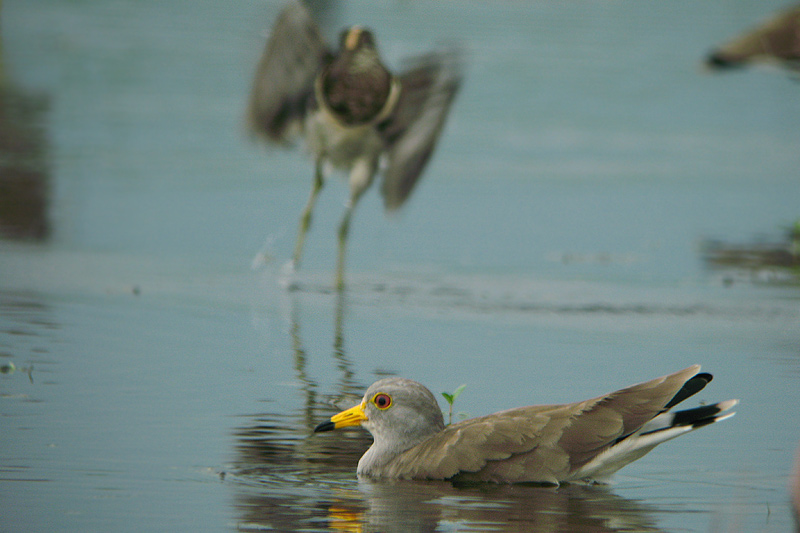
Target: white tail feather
point(661, 429)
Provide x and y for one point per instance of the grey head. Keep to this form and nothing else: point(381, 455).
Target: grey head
point(401, 413)
point(398, 412)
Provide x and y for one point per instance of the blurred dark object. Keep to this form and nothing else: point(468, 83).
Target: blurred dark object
point(758, 256)
point(755, 255)
point(777, 39)
point(795, 490)
point(24, 172)
point(325, 12)
point(355, 115)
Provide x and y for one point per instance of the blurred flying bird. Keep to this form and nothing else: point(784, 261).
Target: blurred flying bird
point(776, 39)
point(355, 115)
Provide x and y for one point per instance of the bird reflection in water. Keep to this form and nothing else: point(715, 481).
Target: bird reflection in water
point(388, 506)
point(24, 164)
point(276, 459)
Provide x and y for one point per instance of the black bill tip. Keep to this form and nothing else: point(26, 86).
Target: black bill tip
point(325, 426)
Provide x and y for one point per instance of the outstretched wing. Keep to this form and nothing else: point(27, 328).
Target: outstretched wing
point(284, 79)
point(428, 88)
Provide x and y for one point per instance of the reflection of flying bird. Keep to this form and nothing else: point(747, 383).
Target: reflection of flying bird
point(795, 490)
point(355, 115)
point(777, 39)
point(576, 442)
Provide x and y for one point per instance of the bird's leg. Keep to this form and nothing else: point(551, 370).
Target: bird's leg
point(305, 217)
point(344, 229)
point(360, 179)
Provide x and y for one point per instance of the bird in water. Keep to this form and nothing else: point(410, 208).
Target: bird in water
point(355, 115)
point(578, 442)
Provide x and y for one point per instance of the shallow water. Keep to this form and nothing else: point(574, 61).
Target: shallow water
point(154, 381)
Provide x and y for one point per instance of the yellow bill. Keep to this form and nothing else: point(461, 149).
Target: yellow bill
point(351, 417)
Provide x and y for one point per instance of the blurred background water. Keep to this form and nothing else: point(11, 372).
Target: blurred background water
point(554, 251)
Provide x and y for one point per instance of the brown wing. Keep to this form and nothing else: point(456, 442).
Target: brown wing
point(619, 414)
point(538, 443)
point(428, 88)
point(284, 80)
point(497, 439)
point(777, 38)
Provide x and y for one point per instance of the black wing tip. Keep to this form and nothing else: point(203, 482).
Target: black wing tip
point(692, 386)
point(705, 376)
point(716, 60)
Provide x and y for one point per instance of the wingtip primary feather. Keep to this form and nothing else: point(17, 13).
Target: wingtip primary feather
point(691, 387)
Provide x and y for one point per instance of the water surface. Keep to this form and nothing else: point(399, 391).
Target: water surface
point(554, 251)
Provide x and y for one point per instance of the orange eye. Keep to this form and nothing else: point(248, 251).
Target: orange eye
point(382, 401)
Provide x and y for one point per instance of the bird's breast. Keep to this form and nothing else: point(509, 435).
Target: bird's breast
point(341, 144)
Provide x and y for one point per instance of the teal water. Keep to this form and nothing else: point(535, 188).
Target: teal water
point(553, 252)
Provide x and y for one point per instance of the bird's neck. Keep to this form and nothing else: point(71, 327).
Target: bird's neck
point(384, 450)
point(380, 454)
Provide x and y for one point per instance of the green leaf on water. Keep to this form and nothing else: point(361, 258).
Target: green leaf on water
point(452, 398)
point(458, 391)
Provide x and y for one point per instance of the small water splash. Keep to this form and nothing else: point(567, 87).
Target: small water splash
point(287, 275)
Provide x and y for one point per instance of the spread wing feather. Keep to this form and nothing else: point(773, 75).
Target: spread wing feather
point(428, 88)
point(284, 79)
